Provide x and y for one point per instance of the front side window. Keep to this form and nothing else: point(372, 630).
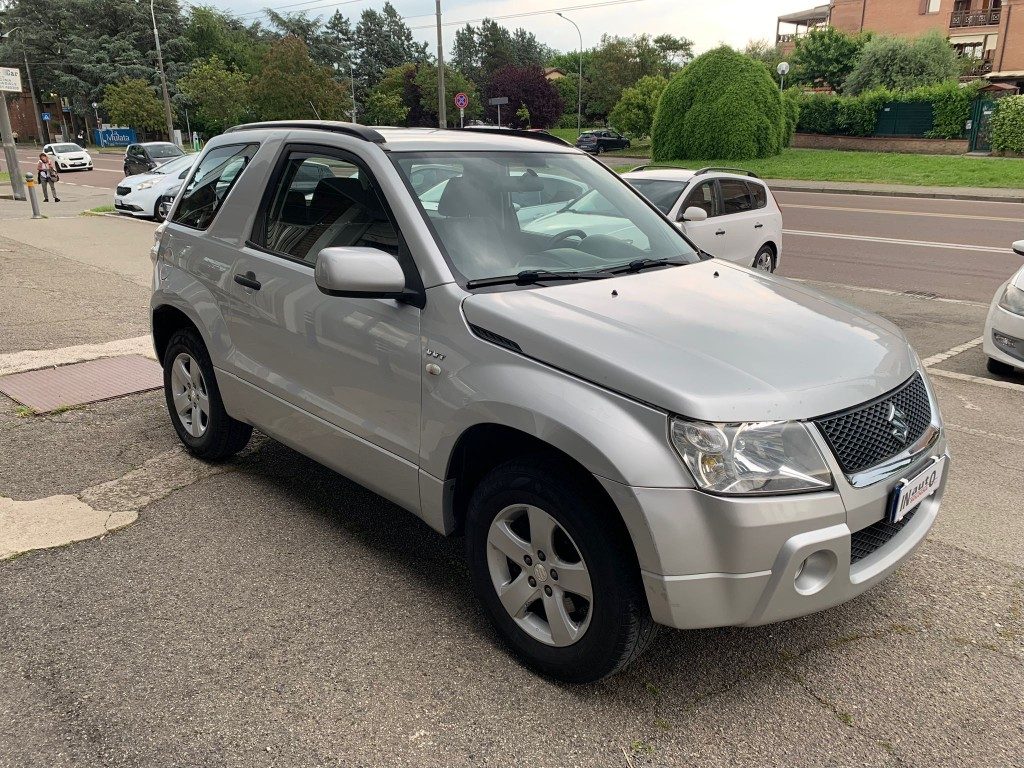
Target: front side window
point(325, 202)
point(481, 225)
point(213, 179)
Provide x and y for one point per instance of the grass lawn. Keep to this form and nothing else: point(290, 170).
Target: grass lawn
point(879, 167)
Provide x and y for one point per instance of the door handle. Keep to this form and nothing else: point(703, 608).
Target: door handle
point(758, 225)
point(720, 232)
point(249, 280)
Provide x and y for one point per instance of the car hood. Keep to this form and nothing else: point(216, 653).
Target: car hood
point(134, 181)
point(709, 340)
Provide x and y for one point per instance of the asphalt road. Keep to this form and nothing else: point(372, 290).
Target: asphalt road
point(947, 248)
point(268, 612)
point(108, 168)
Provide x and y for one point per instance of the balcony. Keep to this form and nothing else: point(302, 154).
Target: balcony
point(972, 68)
point(988, 18)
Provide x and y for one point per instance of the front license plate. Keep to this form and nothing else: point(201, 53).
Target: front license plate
point(912, 491)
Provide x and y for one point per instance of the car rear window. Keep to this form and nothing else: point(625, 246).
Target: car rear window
point(210, 184)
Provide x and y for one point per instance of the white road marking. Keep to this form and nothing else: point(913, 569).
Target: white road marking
point(33, 359)
point(888, 292)
point(928, 362)
point(976, 379)
point(982, 433)
point(897, 241)
point(939, 214)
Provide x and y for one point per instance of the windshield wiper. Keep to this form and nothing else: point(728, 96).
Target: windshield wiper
point(640, 264)
point(534, 276)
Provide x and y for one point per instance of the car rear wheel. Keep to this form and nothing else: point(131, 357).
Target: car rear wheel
point(194, 402)
point(556, 572)
point(765, 260)
point(999, 368)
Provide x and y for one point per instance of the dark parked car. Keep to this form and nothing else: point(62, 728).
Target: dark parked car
point(597, 142)
point(143, 158)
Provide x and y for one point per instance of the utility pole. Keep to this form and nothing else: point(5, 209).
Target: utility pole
point(163, 76)
point(442, 118)
point(579, 94)
point(7, 133)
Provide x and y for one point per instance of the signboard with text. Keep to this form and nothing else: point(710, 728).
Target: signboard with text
point(114, 137)
point(10, 79)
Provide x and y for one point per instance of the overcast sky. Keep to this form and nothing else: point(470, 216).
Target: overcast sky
point(706, 22)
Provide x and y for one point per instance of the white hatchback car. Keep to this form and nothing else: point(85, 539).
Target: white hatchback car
point(141, 195)
point(1004, 328)
point(727, 212)
point(68, 157)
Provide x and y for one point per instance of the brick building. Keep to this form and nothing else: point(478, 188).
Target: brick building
point(990, 32)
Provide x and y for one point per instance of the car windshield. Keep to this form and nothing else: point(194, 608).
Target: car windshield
point(660, 192)
point(163, 150)
point(176, 166)
point(65, 148)
point(503, 213)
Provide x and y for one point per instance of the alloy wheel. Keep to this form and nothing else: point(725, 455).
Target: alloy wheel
point(190, 395)
point(539, 575)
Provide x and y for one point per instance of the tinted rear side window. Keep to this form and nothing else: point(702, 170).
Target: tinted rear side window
point(758, 194)
point(205, 192)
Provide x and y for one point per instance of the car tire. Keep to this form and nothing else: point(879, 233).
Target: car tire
point(208, 432)
point(597, 150)
point(999, 368)
point(764, 261)
point(591, 639)
point(158, 217)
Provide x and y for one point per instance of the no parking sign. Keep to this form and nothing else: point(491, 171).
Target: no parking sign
point(461, 100)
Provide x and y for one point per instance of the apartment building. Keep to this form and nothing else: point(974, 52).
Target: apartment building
point(990, 32)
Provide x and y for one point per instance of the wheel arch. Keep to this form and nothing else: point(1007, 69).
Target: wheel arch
point(167, 320)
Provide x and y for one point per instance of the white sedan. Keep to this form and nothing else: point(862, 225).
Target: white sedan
point(140, 195)
point(1004, 329)
point(69, 157)
point(727, 212)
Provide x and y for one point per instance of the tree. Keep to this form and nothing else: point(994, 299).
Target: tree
point(479, 52)
point(385, 41)
point(384, 107)
point(132, 102)
point(209, 33)
point(425, 81)
point(634, 113)
point(765, 52)
point(526, 86)
point(219, 94)
point(290, 85)
point(721, 106)
point(826, 56)
point(619, 62)
point(897, 63)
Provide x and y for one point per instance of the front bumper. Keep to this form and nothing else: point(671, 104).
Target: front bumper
point(1009, 348)
point(737, 561)
point(74, 165)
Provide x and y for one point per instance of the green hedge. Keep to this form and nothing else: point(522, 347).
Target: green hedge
point(1008, 125)
point(721, 106)
point(858, 115)
point(791, 113)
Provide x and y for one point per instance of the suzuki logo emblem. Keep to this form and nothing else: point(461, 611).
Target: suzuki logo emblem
point(898, 421)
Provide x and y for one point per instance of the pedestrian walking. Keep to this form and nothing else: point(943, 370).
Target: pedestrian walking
point(47, 174)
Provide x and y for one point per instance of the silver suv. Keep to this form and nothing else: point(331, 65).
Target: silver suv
point(627, 431)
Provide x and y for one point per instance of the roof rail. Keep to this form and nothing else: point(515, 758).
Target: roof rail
point(334, 126)
point(739, 171)
point(523, 134)
point(655, 165)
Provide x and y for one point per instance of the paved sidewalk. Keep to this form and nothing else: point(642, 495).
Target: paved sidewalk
point(986, 194)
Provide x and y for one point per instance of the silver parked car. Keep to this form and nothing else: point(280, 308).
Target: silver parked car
point(628, 432)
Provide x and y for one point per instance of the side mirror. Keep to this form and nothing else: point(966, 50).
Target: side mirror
point(359, 273)
point(693, 213)
point(1018, 247)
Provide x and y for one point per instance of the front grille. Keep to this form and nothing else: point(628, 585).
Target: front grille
point(124, 191)
point(862, 437)
point(869, 540)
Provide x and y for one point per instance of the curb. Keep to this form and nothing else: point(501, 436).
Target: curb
point(933, 193)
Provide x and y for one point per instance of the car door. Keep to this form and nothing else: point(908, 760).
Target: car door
point(739, 221)
point(707, 234)
point(352, 363)
point(135, 161)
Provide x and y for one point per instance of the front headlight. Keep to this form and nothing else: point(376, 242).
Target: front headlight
point(1013, 300)
point(752, 458)
point(145, 185)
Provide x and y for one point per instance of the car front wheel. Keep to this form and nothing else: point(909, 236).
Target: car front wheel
point(194, 402)
point(556, 573)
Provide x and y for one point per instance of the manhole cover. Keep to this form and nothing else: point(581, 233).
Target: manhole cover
point(51, 388)
point(921, 294)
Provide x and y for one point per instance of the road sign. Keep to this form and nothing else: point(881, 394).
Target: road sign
point(498, 101)
point(10, 79)
point(45, 116)
point(461, 100)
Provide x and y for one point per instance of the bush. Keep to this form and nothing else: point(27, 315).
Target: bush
point(723, 106)
point(837, 115)
point(952, 106)
point(634, 114)
point(791, 112)
point(1008, 125)
point(899, 63)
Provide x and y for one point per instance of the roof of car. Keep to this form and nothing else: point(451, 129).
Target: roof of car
point(655, 173)
point(480, 138)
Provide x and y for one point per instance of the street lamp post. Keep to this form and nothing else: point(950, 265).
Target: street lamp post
point(351, 78)
point(579, 94)
point(163, 75)
point(783, 70)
